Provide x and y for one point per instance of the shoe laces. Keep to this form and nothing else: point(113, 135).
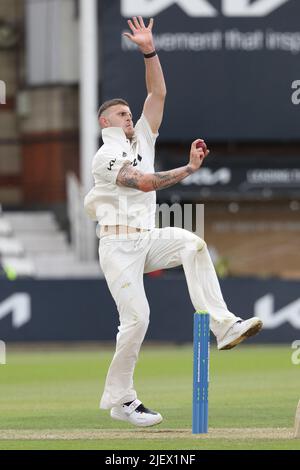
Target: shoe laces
point(141, 409)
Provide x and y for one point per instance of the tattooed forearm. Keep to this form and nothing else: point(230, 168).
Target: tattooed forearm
point(165, 179)
point(131, 178)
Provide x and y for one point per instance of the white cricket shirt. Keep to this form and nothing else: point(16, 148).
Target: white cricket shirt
point(109, 203)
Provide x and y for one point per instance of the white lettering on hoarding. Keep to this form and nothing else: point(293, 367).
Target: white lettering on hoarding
point(208, 177)
point(198, 8)
point(19, 305)
point(247, 8)
point(152, 8)
point(264, 309)
point(273, 176)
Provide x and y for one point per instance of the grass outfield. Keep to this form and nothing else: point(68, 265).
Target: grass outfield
point(49, 400)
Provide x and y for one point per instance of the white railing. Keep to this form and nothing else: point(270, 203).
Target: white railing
point(83, 234)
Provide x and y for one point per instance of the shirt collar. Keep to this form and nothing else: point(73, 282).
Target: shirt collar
point(113, 135)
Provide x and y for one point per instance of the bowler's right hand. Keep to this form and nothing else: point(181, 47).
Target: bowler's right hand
point(197, 154)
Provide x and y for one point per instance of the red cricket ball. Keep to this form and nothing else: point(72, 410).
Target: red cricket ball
point(201, 145)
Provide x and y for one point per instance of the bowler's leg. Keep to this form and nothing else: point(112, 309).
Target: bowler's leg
point(123, 262)
point(124, 267)
point(174, 246)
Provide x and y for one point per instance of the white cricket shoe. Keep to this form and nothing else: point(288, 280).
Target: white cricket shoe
point(238, 332)
point(136, 414)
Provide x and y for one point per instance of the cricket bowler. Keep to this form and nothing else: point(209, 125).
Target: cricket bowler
point(123, 202)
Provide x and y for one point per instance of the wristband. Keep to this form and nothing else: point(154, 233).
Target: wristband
point(151, 54)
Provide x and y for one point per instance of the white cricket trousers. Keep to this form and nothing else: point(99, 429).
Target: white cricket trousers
point(124, 259)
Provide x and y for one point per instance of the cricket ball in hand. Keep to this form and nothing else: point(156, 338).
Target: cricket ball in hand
point(201, 145)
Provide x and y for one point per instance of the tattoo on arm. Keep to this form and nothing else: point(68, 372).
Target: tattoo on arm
point(132, 178)
point(165, 179)
point(129, 176)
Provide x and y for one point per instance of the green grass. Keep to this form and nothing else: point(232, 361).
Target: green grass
point(175, 444)
point(249, 387)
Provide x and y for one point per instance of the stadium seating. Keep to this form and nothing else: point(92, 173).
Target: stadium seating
point(32, 244)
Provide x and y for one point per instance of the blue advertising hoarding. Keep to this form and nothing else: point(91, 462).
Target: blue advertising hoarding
point(231, 66)
point(83, 310)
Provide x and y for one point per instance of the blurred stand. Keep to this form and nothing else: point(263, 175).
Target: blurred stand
point(33, 245)
point(50, 62)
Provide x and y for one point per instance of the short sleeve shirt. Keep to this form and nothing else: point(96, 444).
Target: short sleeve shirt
point(109, 203)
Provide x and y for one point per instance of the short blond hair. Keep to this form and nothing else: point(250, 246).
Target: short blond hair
point(109, 103)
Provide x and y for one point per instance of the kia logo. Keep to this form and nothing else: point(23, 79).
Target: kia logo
point(197, 8)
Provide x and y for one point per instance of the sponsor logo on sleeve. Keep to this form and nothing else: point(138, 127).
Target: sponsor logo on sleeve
point(111, 164)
